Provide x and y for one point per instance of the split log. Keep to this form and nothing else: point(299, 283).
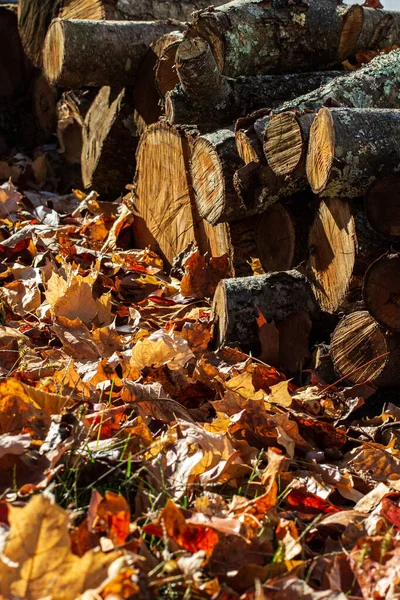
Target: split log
point(80, 53)
point(153, 10)
point(71, 112)
point(301, 36)
point(166, 77)
point(382, 206)
point(146, 95)
point(373, 86)
point(213, 164)
point(35, 16)
point(373, 29)
point(381, 291)
point(237, 303)
point(209, 100)
point(341, 246)
point(362, 351)
point(109, 143)
point(342, 160)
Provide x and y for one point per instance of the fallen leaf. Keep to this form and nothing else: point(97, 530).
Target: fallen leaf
point(9, 198)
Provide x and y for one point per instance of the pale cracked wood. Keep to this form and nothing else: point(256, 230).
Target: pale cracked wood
point(162, 192)
point(381, 291)
point(350, 148)
point(79, 53)
point(332, 248)
point(362, 351)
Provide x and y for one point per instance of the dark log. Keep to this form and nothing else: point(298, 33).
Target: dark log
point(237, 302)
point(301, 36)
point(381, 291)
point(35, 16)
point(209, 100)
point(71, 112)
point(109, 143)
point(382, 206)
point(44, 106)
point(362, 351)
point(153, 10)
point(342, 159)
point(80, 53)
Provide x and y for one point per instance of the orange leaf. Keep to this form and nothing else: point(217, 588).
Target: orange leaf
point(309, 503)
point(191, 537)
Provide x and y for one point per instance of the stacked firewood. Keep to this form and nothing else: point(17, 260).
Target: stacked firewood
point(242, 132)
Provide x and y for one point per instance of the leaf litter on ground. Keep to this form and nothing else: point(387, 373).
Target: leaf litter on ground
point(137, 461)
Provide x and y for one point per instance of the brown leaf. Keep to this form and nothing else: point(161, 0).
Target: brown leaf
point(269, 339)
point(201, 276)
point(372, 4)
point(9, 198)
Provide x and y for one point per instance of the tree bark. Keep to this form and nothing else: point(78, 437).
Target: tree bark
point(382, 206)
point(373, 86)
point(341, 160)
point(35, 16)
point(375, 29)
point(341, 246)
point(80, 53)
point(381, 291)
point(209, 100)
point(299, 37)
point(362, 351)
point(109, 143)
point(153, 10)
point(237, 302)
point(146, 96)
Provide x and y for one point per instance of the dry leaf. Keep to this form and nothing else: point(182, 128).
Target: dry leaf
point(201, 276)
point(161, 348)
point(9, 198)
point(269, 339)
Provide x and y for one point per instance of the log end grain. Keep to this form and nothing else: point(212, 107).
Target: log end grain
point(321, 151)
point(381, 291)
point(166, 76)
point(54, 51)
point(332, 246)
point(382, 206)
point(284, 143)
point(353, 21)
point(276, 239)
point(359, 348)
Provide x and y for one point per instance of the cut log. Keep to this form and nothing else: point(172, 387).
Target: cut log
point(80, 53)
point(213, 164)
point(109, 143)
point(286, 142)
point(209, 100)
point(237, 303)
point(162, 193)
point(382, 205)
point(341, 246)
point(146, 96)
point(301, 36)
point(373, 86)
point(153, 10)
point(362, 351)
point(374, 29)
point(382, 291)
point(166, 76)
point(342, 160)
point(35, 16)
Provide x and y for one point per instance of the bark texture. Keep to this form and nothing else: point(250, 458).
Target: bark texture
point(362, 351)
point(209, 100)
point(152, 10)
point(237, 302)
point(378, 29)
point(80, 53)
point(300, 36)
point(382, 291)
point(109, 143)
point(350, 148)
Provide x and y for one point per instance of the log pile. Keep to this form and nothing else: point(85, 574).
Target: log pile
point(236, 127)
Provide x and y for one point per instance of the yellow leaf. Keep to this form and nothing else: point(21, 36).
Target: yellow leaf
point(37, 560)
point(280, 394)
